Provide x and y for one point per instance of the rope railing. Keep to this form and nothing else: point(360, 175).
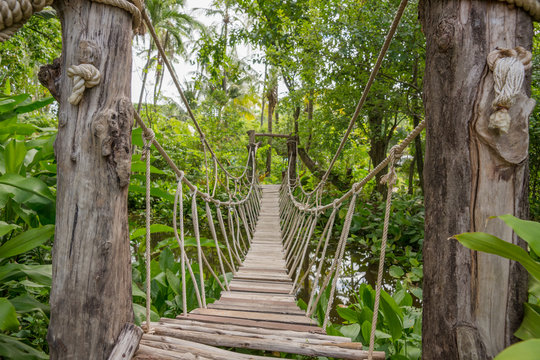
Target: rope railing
point(243, 208)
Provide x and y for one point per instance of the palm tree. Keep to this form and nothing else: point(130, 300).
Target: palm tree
point(175, 30)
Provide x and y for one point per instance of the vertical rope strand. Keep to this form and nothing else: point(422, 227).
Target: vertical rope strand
point(178, 199)
point(147, 139)
point(390, 179)
point(195, 217)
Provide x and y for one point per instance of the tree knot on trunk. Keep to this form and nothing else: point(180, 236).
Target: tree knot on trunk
point(508, 66)
point(84, 76)
point(49, 76)
point(112, 128)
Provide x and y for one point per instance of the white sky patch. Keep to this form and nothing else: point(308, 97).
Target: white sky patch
point(184, 69)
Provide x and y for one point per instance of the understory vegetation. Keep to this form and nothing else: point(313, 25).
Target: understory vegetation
point(308, 63)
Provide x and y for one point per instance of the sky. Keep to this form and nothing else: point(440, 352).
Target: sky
point(183, 69)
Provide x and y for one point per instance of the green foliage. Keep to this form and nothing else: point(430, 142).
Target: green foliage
point(399, 324)
point(528, 231)
point(27, 180)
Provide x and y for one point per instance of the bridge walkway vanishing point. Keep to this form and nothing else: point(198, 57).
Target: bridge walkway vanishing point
point(257, 313)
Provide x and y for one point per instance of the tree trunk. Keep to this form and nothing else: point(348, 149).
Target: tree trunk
point(378, 144)
point(319, 173)
point(291, 155)
point(91, 288)
point(272, 101)
point(472, 301)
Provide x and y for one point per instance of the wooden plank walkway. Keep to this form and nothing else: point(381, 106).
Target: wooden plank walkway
point(257, 313)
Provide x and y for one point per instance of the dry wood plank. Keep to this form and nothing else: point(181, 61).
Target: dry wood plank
point(263, 302)
point(180, 323)
point(199, 350)
point(253, 323)
point(258, 290)
point(257, 296)
point(266, 343)
point(248, 307)
point(148, 352)
point(290, 319)
point(127, 342)
point(262, 287)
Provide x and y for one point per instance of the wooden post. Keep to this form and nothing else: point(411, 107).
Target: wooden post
point(91, 289)
point(291, 154)
point(251, 151)
point(472, 301)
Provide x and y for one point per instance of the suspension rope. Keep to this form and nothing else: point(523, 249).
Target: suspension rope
point(390, 180)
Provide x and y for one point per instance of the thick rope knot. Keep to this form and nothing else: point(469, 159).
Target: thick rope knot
point(134, 7)
point(508, 66)
point(84, 76)
point(390, 178)
point(14, 13)
point(148, 136)
point(530, 6)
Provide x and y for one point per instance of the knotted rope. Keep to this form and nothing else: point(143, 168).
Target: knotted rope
point(148, 138)
point(134, 7)
point(530, 6)
point(84, 76)
point(390, 180)
point(508, 66)
point(14, 13)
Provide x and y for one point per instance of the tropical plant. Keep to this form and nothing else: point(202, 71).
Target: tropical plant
point(27, 181)
point(529, 231)
point(399, 324)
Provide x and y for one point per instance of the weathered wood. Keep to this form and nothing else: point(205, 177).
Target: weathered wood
point(91, 287)
point(289, 319)
point(127, 342)
point(253, 323)
point(148, 352)
point(249, 307)
point(472, 301)
point(200, 351)
point(288, 345)
point(180, 323)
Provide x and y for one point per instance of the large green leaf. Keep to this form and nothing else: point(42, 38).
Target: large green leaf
point(525, 350)
point(140, 314)
point(530, 326)
point(6, 228)
point(348, 314)
point(493, 245)
point(14, 154)
point(17, 129)
point(392, 315)
point(140, 166)
point(26, 303)
point(527, 230)
point(154, 191)
point(154, 228)
point(174, 282)
point(12, 348)
point(137, 292)
point(26, 241)
point(351, 331)
point(166, 259)
point(8, 316)
point(32, 185)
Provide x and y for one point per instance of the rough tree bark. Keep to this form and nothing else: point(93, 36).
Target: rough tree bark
point(91, 288)
point(319, 173)
point(292, 142)
point(472, 301)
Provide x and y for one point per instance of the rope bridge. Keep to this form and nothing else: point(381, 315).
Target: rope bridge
point(261, 233)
